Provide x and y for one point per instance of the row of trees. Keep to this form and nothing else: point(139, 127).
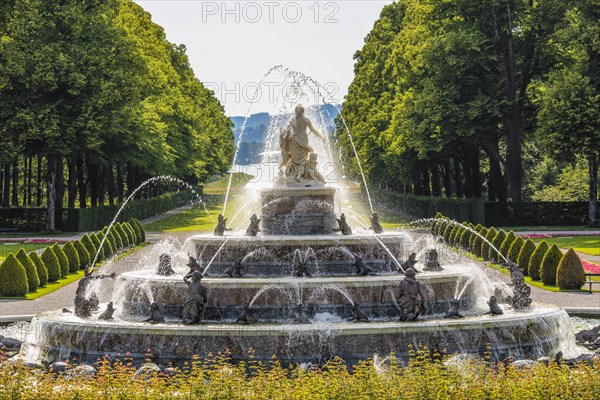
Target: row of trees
point(460, 97)
point(93, 101)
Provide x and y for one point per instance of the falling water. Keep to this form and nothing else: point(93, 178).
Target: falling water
point(390, 253)
point(214, 256)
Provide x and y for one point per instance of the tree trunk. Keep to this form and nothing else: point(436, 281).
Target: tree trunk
point(81, 185)
point(436, 185)
point(72, 183)
point(514, 119)
point(93, 180)
point(1, 184)
point(6, 197)
point(51, 194)
point(60, 191)
point(25, 169)
point(458, 177)
point(426, 180)
point(15, 183)
point(29, 181)
point(119, 182)
point(38, 200)
point(476, 171)
point(101, 185)
point(447, 178)
point(417, 182)
point(593, 162)
point(110, 180)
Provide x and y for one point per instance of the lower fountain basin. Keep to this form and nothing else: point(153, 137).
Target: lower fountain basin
point(227, 296)
point(535, 332)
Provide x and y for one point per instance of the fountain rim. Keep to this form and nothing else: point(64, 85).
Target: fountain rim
point(213, 282)
point(510, 320)
point(305, 240)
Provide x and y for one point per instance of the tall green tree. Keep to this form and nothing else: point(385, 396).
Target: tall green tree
point(569, 100)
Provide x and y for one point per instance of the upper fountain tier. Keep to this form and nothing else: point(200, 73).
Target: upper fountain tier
point(294, 210)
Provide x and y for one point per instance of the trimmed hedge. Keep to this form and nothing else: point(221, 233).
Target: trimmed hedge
point(33, 280)
point(535, 262)
point(464, 239)
point(124, 238)
point(40, 267)
point(485, 246)
point(139, 229)
point(525, 255)
point(515, 248)
point(570, 274)
point(477, 229)
point(447, 232)
point(117, 237)
point(506, 243)
point(94, 238)
point(130, 233)
point(89, 245)
point(478, 241)
point(72, 256)
point(13, 278)
point(106, 246)
point(497, 242)
point(535, 213)
point(83, 253)
point(550, 265)
point(63, 261)
point(110, 237)
point(415, 207)
point(433, 223)
point(52, 264)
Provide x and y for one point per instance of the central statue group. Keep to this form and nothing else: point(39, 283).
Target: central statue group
point(299, 161)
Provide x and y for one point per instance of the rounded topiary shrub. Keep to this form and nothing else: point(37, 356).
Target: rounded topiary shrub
point(51, 262)
point(110, 238)
point(117, 238)
point(33, 280)
point(515, 249)
point(124, 239)
point(497, 243)
point(86, 241)
point(477, 228)
point(94, 238)
point(464, 239)
point(72, 256)
point(570, 274)
point(82, 252)
point(113, 241)
point(139, 229)
point(456, 236)
point(525, 255)
point(433, 223)
point(535, 262)
point(40, 267)
point(550, 265)
point(506, 243)
point(13, 278)
point(485, 246)
point(478, 241)
point(453, 232)
point(130, 233)
point(447, 232)
point(105, 243)
point(63, 261)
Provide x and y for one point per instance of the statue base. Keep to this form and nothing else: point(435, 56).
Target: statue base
point(300, 209)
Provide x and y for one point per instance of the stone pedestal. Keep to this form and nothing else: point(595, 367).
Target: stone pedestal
point(289, 210)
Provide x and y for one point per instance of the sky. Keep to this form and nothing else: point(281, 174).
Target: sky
point(232, 44)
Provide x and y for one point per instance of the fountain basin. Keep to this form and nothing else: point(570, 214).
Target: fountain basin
point(227, 296)
point(54, 336)
point(281, 248)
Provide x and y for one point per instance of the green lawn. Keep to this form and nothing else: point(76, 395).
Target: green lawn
point(8, 248)
point(583, 244)
point(547, 228)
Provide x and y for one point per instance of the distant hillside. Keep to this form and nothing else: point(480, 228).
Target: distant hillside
point(255, 130)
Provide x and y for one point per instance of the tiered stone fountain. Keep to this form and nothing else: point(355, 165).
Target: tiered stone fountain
point(304, 290)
